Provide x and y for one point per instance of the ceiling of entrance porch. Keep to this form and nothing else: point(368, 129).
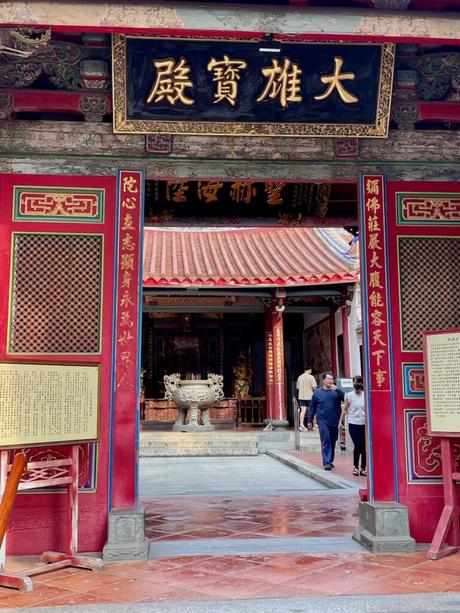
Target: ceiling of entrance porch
point(248, 257)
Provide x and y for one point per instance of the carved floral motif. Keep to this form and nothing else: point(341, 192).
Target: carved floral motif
point(424, 451)
point(57, 204)
point(94, 107)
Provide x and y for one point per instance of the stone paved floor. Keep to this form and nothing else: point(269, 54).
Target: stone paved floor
point(197, 578)
point(189, 476)
point(343, 463)
point(234, 517)
point(299, 517)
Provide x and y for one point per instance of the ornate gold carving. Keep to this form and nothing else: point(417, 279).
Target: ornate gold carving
point(94, 107)
point(121, 124)
point(57, 204)
point(431, 209)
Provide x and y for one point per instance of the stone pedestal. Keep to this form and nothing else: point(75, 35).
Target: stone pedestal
point(126, 539)
point(193, 427)
point(277, 423)
point(384, 527)
point(275, 439)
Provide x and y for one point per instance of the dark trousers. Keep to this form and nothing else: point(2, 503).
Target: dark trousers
point(358, 436)
point(328, 436)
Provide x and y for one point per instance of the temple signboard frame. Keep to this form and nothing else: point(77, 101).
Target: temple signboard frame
point(441, 357)
point(248, 87)
point(48, 403)
point(441, 350)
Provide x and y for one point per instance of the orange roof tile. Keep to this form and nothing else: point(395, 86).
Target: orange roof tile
point(247, 257)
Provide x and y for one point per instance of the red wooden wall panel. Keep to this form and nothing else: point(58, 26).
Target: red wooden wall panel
point(38, 519)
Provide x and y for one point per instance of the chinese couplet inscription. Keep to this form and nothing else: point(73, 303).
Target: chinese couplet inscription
point(130, 207)
point(376, 281)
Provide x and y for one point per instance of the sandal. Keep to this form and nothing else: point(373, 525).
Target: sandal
point(363, 472)
point(356, 472)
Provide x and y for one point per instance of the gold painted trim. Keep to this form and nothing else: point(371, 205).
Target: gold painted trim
point(428, 223)
point(123, 125)
point(67, 219)
point(10, 296)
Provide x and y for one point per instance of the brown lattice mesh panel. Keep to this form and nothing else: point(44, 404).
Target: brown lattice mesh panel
point(430, 287)
point(56, 293)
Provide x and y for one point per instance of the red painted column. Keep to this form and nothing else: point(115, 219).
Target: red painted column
point(126, 384)
point(383, 484)
point(346, 343)
point(279, 396)
point(333, 344)
point(269, 366)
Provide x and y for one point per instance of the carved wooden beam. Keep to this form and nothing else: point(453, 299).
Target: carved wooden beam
point(91, 105)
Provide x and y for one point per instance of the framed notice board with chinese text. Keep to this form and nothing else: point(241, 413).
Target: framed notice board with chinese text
point(45, 403)
point(441, 350)
point(251, 87)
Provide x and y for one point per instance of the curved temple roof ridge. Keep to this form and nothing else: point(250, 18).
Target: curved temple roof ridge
point(247, 257)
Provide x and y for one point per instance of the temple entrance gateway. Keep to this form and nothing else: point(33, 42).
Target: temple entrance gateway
point(71, 235)
point(244, 304)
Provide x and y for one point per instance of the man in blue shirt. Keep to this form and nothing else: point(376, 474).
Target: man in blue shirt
point(326, 405)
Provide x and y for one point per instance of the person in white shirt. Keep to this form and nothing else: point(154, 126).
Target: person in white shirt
point(306, 385)
point(354, 407)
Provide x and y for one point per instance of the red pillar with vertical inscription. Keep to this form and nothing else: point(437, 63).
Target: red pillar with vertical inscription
point(269, 367)
point(279, 388)
point(376, 316)
point(333, 344)
point(346, 343)
point(125, 418)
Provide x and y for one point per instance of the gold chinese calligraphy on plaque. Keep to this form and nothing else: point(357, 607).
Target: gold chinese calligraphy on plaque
point(218, 86)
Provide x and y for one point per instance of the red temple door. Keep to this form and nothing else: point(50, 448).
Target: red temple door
point(58, 246)
point(411, 283)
